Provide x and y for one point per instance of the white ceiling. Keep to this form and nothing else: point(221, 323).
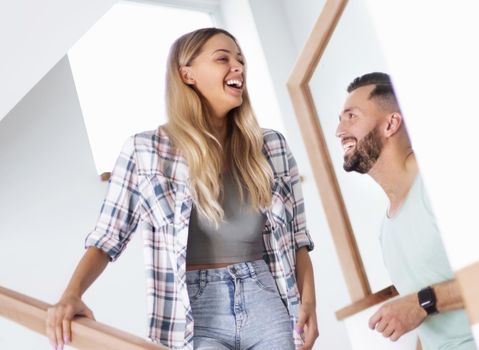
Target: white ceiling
point(34, 36)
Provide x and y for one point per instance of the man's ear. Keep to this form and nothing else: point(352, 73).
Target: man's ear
point(187, 75)
point(394, 123)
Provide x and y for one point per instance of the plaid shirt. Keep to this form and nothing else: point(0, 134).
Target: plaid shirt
point(148, 190)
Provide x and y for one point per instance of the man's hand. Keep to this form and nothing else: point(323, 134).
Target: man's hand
point(307, 325)
point(398, 317)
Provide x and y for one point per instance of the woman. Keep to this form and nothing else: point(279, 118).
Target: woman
point(219, 202)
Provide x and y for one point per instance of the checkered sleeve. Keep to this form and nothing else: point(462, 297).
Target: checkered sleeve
point(119, 215)
point(301, 234)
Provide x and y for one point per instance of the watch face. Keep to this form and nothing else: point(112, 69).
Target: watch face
point(427, 300)
point(426, 303)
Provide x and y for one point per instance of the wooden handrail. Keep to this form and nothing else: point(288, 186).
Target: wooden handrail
point(105, 176)
point(366, 302)
point(86, 333)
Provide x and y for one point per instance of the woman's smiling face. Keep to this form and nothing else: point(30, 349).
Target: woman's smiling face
point(217, 74)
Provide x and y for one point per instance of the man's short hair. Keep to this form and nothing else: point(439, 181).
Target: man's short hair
point(383, 91)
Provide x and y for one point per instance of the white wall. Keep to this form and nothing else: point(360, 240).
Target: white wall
point(50, 198)
point(260, 84)
point(34, 36)
point(300, 18)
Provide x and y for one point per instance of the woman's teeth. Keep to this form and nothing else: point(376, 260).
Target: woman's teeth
point(234, 83)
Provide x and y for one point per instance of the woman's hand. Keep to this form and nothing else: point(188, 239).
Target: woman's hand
point(307, 325)
point(59, 318)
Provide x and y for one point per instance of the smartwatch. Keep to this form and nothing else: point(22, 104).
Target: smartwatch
point(427, 300)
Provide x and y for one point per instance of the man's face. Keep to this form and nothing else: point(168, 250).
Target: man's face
point(359, 129)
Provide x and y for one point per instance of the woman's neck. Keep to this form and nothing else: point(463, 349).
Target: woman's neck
point(220, 128)
point(220, 131)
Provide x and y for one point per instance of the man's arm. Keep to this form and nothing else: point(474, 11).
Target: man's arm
point(448, 296)
point(404, 314)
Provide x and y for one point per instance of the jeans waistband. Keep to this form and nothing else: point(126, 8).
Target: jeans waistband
point(238, 271)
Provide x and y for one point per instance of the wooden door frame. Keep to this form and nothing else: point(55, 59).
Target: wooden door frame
point(318, 153)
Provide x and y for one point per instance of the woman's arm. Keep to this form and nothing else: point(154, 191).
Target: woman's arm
point(307, 312)
point(59, 316)
point(305, 277)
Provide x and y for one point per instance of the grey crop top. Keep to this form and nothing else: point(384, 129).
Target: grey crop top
point(237, 239)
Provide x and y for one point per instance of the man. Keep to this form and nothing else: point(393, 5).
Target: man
point(375, 141)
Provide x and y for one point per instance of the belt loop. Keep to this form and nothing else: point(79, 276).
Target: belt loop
point(251, 269)
point(203, 278)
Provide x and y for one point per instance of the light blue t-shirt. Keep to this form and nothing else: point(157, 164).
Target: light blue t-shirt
point(415, 258)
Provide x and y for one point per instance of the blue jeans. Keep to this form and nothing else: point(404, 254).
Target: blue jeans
point(238, 307)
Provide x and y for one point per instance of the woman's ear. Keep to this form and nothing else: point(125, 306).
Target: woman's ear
point(394, 123)
point(187, 75)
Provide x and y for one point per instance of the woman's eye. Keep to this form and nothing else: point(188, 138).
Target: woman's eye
point(223, 59)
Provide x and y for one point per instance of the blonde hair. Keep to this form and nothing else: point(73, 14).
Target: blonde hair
point(193, 135)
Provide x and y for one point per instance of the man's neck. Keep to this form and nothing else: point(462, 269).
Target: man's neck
point(395, 171)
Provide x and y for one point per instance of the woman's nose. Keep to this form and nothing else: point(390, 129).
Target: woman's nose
point(237, 68)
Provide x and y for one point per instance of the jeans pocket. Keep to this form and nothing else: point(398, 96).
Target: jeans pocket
point(265, 281)
point(194, 291)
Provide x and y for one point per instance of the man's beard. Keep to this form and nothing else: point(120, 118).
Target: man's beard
point(366, 153)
